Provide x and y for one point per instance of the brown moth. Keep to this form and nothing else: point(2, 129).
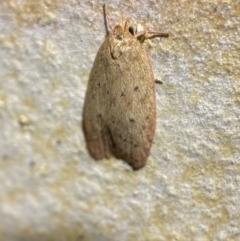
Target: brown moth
point(119, 115)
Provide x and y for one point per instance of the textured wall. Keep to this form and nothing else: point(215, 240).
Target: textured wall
point(51, 189)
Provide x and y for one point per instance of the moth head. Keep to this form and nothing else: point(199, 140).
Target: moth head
point(124, 30)
point(121, 39)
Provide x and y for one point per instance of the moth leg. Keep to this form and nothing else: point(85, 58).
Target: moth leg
point(157, 81)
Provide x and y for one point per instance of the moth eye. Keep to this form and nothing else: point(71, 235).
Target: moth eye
point(131, 30)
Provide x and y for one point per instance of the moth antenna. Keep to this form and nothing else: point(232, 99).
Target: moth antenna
point(107, 21)
point(154, 34)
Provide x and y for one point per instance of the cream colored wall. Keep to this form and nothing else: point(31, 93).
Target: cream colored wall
point(51, 189)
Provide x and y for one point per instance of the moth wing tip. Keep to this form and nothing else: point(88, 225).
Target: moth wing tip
point(98, 151)
point(136, 165)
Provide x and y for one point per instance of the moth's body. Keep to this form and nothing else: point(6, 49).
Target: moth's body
point(119, 115)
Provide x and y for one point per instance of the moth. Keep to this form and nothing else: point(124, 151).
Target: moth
point(119, 114)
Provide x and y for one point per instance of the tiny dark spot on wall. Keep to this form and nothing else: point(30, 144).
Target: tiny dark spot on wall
point(122, 94)
point(80, 237)
point(32, 164)
point(5, 157)
point(124, 140)
point(99, 115)
point(107, 91)
point(98, 84)
point(131, 120)
point(59, 142)
point(136, 88)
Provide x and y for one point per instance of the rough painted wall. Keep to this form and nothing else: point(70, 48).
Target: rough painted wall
point(51, 189)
